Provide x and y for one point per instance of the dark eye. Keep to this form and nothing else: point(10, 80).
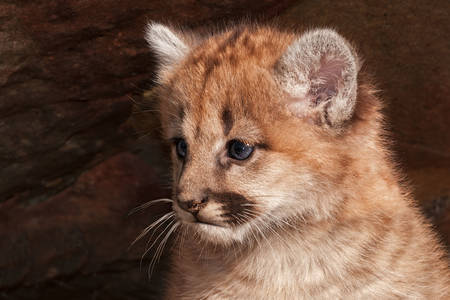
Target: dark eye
point(181, 147)
point(239, 150)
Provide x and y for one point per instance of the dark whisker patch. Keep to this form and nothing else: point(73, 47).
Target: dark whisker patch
point(231, 201)
point(233, 204)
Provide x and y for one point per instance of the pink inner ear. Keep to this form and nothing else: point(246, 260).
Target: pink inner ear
point(326, 79)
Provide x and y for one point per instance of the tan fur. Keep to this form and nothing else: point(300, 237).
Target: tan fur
point(329, 220)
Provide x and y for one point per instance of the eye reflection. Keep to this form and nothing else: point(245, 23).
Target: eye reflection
point(239, 150)
point(181, 147)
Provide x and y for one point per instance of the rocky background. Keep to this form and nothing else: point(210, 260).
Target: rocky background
point(72, 166)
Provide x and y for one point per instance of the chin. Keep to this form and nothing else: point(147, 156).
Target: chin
point(216, 234)
point(220, 235)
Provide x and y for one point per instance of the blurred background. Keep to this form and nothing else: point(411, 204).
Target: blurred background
point(72, 165)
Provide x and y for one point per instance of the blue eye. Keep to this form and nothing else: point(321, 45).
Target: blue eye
point(181, 147)
point(239, 150)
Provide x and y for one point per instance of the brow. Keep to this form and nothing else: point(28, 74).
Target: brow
point(227, 120)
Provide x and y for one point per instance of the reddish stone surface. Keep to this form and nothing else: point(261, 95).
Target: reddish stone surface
point(83, 230)
point(71, 167)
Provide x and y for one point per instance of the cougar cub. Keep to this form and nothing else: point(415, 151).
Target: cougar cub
point(283, 187)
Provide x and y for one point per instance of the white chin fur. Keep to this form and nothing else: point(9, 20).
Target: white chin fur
point(220, 235)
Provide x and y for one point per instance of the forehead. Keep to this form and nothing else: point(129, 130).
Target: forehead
point(225, 101)
point(227, 79)
point(222, 113)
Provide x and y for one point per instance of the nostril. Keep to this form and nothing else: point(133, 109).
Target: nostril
point(188, 205)
point(193, 205)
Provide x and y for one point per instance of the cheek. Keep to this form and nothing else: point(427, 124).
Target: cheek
point(177, 168)
point(268, 182)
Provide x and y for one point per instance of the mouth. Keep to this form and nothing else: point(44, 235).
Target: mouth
point(206, 223)
point(195, 220)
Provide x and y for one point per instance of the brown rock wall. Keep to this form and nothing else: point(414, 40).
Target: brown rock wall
point(71, 167)
point(83, 230)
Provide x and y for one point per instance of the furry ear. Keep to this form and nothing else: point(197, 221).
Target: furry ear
point(167, 45)
point(319, 73)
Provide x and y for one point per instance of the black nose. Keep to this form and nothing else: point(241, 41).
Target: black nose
point(193, 206)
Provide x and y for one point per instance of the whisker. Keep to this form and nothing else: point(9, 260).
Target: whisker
point(148, 204)
point(141, 136)
point(155, 230)
point(201, 252)
point(149, 227)
point(133, 100)
point(251, 204)
point(160, 249)
point(265, 238)
point(249, 213)
point(159, 235)
point(267, 220)
point(146, 111)
point(156, 240)
point(247, 219)
point(261, 232)
point(238, 219)
point(183, 237)
point(287, 223)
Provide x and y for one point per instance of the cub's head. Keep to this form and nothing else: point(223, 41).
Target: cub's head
point(258, 123)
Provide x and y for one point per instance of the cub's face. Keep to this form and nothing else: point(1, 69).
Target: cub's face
point(246, 156)
point(227, 172)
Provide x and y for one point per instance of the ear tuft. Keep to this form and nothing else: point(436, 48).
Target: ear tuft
point(319, 72)
point(167, 45)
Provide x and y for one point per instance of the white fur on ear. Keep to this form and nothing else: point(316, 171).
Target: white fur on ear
point(168, 47)
point(319, 72)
